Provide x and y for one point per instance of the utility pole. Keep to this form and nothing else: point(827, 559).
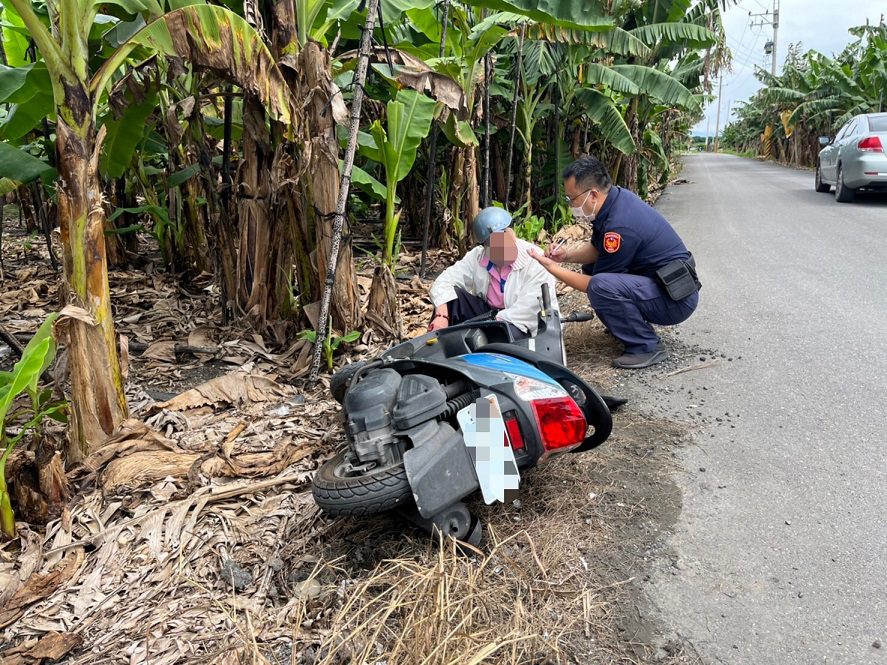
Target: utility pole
point(769, 18)
point(718, 121)
point(707, 131)
point(775, 33)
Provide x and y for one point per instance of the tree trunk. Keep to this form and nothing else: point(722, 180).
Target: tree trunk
point(472, 191)
point(98, 401)
point(382, 309)
point(576, 140)
point(629, 178)
point(257, 232)
point(344, 186)
point(499, 174)
point(322, 186)
point(528, 174)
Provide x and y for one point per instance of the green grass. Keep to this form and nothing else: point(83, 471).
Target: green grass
point(748, 154)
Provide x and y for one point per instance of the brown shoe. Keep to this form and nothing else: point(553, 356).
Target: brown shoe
point(640, 360)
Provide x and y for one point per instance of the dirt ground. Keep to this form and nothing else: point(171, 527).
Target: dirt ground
point(194, 538)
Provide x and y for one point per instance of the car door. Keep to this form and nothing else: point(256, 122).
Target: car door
point(828, 158)
point(848, 141)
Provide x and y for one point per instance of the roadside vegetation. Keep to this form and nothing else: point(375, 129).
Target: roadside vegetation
point(813, 96)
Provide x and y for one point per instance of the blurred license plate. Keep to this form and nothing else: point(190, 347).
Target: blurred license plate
point(483, 431)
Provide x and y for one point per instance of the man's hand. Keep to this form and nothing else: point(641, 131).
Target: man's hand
point(441, 319)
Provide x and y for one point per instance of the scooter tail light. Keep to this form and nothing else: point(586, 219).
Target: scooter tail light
point(870, 144)
point(561, 423)
point(515, 438)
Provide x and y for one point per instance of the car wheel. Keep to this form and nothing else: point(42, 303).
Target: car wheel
point(843, 193)
point(820, 185)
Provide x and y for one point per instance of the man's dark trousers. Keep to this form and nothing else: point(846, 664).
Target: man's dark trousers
point(467, 306)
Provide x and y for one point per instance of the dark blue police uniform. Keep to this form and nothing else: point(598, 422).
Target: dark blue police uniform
point(633, 242)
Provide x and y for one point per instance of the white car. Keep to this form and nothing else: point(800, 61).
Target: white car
point(855, 159)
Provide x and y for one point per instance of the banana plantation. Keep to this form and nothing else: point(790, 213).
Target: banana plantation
point(815, 95)
point(288, 172)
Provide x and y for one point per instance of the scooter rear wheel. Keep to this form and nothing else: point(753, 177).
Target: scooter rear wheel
point(342, 379)
point(339, 491)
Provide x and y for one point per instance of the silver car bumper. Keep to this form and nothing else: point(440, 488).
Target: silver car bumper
point(866, 170)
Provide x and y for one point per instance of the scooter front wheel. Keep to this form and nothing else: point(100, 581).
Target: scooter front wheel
point(340, 490)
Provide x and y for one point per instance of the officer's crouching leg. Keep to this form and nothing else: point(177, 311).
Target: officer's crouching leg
point(615, 299)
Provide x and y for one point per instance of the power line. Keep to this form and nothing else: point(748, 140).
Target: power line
point(746, 52)
point(770, 18)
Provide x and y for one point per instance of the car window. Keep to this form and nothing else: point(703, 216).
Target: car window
point(843, 131)
point(878, 123)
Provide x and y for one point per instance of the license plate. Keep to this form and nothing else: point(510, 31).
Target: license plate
point(483, 431)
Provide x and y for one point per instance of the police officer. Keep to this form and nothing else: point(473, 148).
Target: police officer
point(631, 242)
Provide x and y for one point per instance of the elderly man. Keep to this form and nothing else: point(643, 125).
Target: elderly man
point(636, 271)
point(498, 275)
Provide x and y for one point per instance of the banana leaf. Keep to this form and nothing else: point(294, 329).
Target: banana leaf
point(216, 39)
point(685, 34)
point(18, 168)
point(409, 121)
point(14, 35)
point(580, 14)
point(611, 125)
point(125, 134)
point(658, 85)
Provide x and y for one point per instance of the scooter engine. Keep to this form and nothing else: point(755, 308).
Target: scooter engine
point(383, 411)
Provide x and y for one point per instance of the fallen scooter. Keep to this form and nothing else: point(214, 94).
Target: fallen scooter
point(461, 409)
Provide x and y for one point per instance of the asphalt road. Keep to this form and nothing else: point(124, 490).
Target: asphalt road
point(780, 551)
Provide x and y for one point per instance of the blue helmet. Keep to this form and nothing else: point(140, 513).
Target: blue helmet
point(490, 220)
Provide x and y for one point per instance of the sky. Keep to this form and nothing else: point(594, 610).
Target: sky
point(817, 24)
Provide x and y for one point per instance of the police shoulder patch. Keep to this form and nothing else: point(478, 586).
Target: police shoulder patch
point(612, 242)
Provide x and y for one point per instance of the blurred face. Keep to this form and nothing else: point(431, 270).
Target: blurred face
point(502, 247)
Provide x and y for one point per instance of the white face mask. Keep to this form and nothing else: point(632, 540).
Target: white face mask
point(580, 214)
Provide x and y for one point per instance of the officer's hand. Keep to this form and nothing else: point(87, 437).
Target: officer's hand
point(439, 321)
point(557, 252)
point(543, 259)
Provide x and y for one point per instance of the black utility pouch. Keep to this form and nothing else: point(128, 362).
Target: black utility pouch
point(678, 280)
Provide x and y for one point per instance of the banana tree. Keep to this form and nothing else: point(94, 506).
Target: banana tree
point(814, 95)
point(670, 29)
point(312, 80)
point(408, 118)
point(37, 356)
point(207, 36)
point(393, 146)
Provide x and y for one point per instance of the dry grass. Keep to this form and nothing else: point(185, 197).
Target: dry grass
point(457, 608)
point(554, 582)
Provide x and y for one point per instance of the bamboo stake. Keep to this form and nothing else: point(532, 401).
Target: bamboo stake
point(432, 156)
point(517, 75)
point(488, 75)
point(338, 222)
